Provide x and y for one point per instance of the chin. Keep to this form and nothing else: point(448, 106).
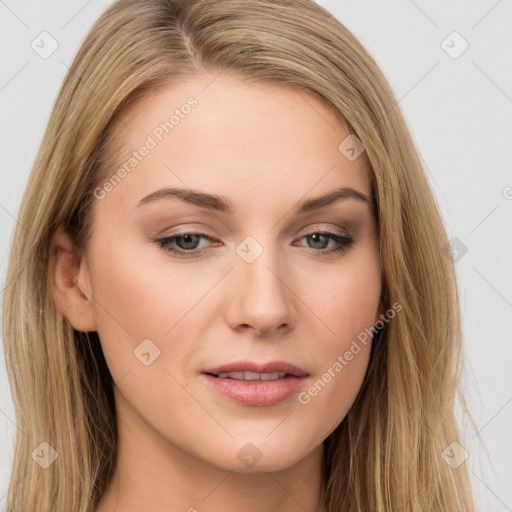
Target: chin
point(255, 454)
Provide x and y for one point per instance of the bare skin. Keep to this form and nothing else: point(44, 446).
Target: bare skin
point(265, 148)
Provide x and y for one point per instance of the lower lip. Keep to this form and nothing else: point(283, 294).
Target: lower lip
point(257, 393)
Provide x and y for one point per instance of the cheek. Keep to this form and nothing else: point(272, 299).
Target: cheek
point(345, 303)
point(331, 394)
point(147, 322)
point(136, 300)
point(343, 360)
point(344, 298)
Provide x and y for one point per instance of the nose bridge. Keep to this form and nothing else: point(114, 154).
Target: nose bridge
point(263, 297)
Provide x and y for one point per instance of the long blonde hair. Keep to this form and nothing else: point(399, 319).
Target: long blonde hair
point(387, 454)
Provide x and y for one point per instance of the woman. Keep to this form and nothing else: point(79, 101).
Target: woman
point(231, 288)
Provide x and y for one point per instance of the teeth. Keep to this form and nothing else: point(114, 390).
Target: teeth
point(252, 375)
point(272, 376)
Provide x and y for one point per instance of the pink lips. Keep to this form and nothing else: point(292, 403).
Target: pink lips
point(257, 393)
point(251, 366)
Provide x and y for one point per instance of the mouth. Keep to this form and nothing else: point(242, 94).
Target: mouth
point(251, 375)
point(253, 384)
point(250, 370)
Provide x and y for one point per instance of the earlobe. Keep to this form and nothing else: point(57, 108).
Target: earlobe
point(69, 277)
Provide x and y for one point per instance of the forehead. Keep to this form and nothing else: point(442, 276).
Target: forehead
point(221, 133)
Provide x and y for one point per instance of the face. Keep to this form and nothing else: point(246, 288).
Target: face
point(234, 266)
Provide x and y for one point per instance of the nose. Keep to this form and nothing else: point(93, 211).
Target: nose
point(261, 297)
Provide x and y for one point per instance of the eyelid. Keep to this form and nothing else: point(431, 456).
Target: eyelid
point(336, 230)
point(188, 229)
point(344, 241)
point(203, 230)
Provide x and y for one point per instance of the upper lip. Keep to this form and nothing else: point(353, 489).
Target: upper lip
point(253, 366)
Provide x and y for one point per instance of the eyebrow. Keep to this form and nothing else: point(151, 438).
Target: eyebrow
point(221, 204)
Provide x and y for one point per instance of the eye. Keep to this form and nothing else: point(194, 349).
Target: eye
point(320, 241)
point(188, 244)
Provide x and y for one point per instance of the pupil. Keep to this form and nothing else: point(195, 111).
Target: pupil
point(316, 237)
point(188, 241)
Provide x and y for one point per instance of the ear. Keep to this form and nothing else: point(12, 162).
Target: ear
point(70, 281)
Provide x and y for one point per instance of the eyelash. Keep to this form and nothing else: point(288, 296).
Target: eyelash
point(345, 242)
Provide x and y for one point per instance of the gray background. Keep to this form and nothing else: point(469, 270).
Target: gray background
point(458, 108)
